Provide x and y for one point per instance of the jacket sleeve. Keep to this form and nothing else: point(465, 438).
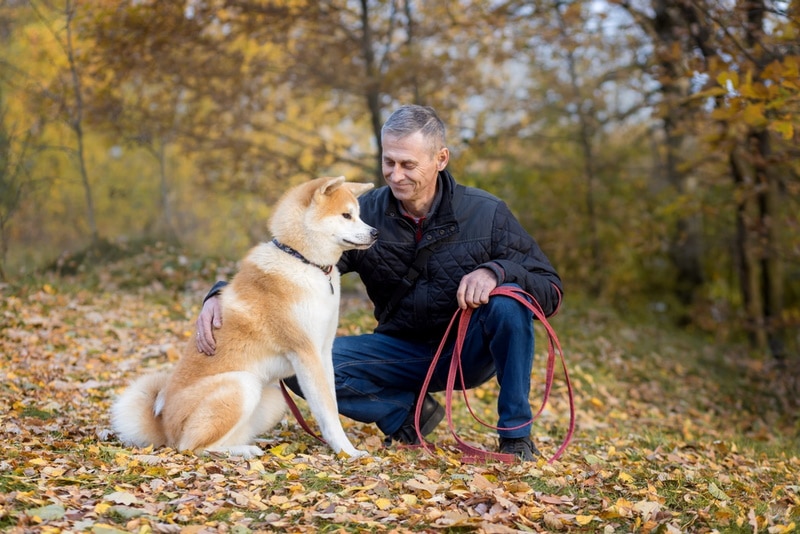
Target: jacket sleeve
point(215, 290)
point(348, 261)
point(517, 259)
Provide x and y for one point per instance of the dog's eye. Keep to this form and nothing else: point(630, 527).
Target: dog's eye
point(347, 216)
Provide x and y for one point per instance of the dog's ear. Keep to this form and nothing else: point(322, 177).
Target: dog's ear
point(329, 185)
point(358, 188)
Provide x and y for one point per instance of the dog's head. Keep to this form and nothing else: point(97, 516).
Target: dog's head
point(322, 217)
point(335, 211)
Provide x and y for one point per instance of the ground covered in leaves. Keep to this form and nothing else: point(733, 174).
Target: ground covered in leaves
point(674, 434)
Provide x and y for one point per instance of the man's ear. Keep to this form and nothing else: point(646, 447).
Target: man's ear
point(442, 158)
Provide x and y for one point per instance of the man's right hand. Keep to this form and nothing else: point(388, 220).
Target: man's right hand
point(209, 319)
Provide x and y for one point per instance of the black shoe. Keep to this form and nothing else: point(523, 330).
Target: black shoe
point(522, 448)
point(431, 415)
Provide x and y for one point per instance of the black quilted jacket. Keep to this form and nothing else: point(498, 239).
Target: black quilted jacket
point(468, 228)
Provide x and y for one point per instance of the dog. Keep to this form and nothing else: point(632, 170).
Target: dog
point(279, 318)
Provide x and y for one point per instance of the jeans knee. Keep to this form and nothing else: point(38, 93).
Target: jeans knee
point(508, 310)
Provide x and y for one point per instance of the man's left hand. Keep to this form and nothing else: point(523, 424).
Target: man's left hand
point(475, 287)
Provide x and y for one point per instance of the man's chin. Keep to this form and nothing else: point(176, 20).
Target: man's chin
point(402, 194)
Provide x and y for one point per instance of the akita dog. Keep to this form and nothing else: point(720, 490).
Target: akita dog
point(279, 318)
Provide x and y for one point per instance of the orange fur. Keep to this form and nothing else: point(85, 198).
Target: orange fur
point(279, 317)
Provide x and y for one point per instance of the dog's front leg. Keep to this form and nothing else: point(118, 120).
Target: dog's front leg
point(319, 393)
point(327, 364)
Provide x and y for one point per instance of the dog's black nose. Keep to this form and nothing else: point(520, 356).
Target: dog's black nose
point(374, 233)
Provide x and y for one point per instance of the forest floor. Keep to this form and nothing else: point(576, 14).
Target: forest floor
point(674, 433)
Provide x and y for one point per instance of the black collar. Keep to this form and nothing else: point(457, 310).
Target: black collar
point(289, 250)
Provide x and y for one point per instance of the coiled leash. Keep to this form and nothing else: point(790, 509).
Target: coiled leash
point(472, 453)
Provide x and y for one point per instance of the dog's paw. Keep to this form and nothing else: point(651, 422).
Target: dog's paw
point(248, 451)
point(244, 451)
point(355, 453)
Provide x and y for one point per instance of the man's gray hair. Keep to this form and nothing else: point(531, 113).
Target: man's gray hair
point(409, 119)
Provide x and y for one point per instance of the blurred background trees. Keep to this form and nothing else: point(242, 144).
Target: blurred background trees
point(651, 146)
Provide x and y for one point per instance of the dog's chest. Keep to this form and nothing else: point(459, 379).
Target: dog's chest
point(319, 312)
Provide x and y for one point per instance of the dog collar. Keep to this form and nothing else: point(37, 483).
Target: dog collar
point(327, 269)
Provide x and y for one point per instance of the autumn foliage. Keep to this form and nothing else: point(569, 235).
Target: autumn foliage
point(650, 147)
point(673, 434)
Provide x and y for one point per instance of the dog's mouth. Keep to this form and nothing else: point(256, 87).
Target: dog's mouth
point(361, 246)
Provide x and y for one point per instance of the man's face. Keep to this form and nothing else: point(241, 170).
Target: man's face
point(410, 170)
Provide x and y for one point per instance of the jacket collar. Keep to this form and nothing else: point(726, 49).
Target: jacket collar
point(442, 203)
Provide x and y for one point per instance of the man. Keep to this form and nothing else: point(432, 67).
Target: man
point(470, 243)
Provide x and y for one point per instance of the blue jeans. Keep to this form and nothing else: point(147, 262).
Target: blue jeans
point(378, 377)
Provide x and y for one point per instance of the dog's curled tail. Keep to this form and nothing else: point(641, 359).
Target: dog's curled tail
point(136, 413)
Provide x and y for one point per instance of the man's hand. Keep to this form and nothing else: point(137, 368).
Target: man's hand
point(475, 287)
point(210, 318)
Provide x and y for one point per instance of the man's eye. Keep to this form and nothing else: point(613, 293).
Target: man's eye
point(347, 216)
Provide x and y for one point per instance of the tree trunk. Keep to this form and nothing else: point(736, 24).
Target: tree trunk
point(685, 246)
point(166, 207)
point(742, 248)
point(769, 261)
point(372, 91)
point(769, 281)
point(76, 124)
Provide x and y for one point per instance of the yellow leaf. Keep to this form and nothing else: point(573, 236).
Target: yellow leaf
point(517, 486)
point(428, 489)
point(409, 499)
point(785, 128)
point(50, 290)
point(53, 471)
point(278, 500)
point(102, 507)
point(722, 114)
point(754, 115)
point(754, 91)
point(255, 466)
point(583, 520)
point(353, 489)
point(280, 451)
point(625, 477)
point(725, 77)
point(383, 503)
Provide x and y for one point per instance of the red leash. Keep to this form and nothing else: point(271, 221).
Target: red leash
point(470, 452)
point(296, 412)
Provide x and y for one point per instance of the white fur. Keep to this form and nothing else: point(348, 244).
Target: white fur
point(279, 319)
